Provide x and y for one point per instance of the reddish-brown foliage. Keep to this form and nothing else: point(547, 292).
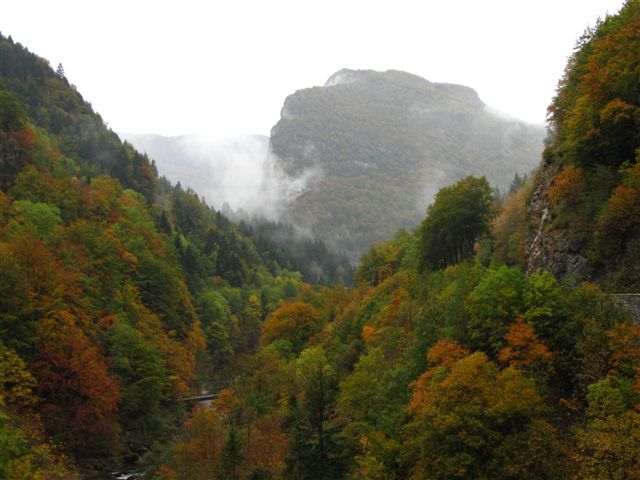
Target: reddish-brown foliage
point(265, 446)
point(368, 332)
point(446, 352)
point(441, 356)
point(79, 398)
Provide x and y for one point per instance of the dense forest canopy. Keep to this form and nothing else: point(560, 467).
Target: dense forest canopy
point(121, 294)
point(448, 359)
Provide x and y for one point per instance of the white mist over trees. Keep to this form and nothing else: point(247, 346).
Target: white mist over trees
point(238, 173)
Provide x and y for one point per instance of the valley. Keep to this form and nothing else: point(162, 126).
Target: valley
point(399, 283)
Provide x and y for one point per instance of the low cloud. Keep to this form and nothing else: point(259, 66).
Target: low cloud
point(239, 171)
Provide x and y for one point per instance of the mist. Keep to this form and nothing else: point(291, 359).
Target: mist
point(239, 171)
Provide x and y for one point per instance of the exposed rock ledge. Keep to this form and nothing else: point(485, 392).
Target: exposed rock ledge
point(548, 246)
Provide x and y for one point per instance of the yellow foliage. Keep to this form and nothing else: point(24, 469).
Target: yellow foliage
point(17, 384)
point(293, 321)
point(198, 454)
point(509, 229)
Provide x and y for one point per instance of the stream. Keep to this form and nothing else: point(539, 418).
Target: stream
point(133, 473)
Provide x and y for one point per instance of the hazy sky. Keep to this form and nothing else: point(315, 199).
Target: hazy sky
point(226, 67)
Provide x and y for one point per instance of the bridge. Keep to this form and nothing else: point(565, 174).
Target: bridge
point(629, 302)
point(200, 398)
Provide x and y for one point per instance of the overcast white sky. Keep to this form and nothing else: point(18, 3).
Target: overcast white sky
point(226, 67)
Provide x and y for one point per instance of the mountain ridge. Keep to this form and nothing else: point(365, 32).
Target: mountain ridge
point(359, 157)
point(392, 132)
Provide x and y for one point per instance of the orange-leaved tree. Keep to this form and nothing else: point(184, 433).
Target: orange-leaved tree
point(471, 420)
point(294, 322)
point(526, 353)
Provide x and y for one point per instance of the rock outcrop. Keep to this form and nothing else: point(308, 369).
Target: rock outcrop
point(549, 246)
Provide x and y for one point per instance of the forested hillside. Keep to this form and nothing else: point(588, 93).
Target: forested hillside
point(465, 350)
point(584, 210)
point(233, 170)
point(449, 360)
point(120, 293)
point(376, 147)
point(459, 371)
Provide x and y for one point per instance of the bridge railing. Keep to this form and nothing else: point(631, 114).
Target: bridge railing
point(629, 302)
point(200, 398)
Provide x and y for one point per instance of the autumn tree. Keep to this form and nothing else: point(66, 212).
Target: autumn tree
point(624, 360)
point(265, 453)
point(293, 321)
point(526, 353)
point(567, 188)
point(198, 455)
point(80, 399)
point(17, 384)
point(621, 216)
point(474, 421)
point(509, 228)
point(378, 263)
point(25, 453)
point(440, 359)
point(609, 444)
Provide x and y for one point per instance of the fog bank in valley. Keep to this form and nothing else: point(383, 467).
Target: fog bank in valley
point(239, 171)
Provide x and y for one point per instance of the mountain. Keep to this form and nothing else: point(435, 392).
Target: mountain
point(449, 361)
point(352, 161)
point(376, 146)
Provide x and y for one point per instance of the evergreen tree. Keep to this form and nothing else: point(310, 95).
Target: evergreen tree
point(232, 455)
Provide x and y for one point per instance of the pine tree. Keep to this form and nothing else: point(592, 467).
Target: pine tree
point(232, 456)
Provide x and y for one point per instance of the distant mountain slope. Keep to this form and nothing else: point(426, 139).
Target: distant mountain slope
point(378, 145)
point(231, 174)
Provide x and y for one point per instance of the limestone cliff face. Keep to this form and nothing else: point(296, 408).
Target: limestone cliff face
point(549, 246)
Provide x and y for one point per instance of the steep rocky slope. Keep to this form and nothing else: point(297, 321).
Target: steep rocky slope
point(583, 218)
